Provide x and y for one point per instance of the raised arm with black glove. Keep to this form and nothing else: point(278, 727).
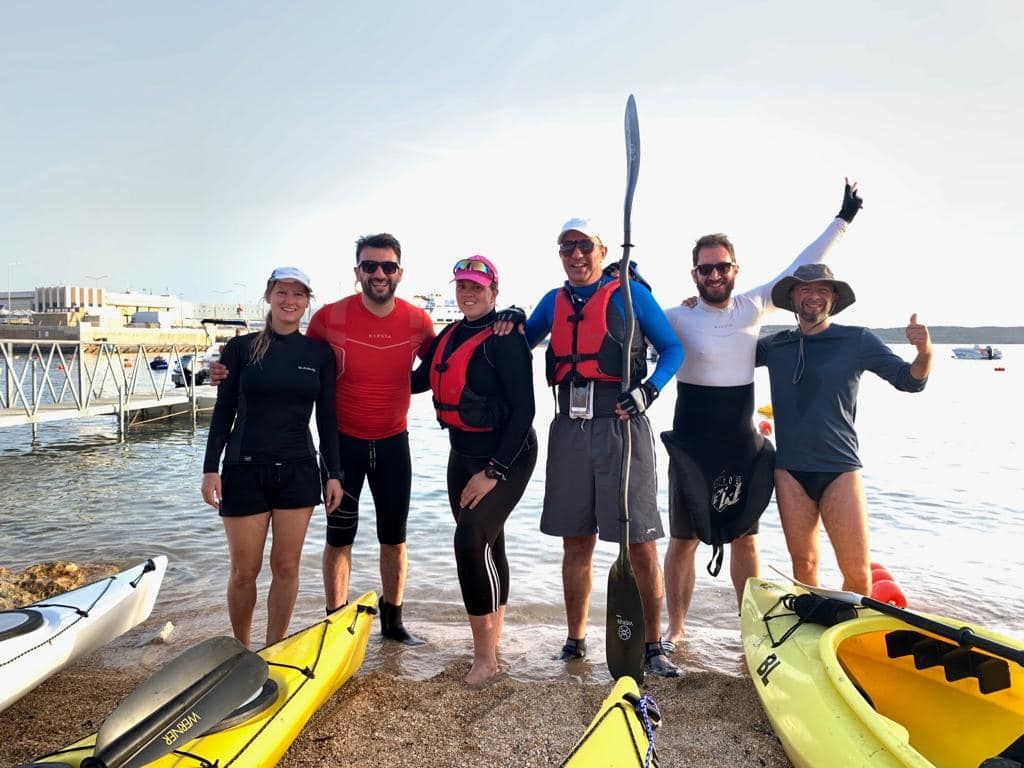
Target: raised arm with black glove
point(851, 202)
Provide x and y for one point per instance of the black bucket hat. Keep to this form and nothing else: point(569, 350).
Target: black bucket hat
point(812, 273)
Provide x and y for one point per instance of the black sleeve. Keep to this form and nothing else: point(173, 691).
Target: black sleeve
point(514, 364)
point(326, 412)
point(226, 406)
point(421, 373)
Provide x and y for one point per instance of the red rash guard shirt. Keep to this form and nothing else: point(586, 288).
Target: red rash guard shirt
point(375, 356)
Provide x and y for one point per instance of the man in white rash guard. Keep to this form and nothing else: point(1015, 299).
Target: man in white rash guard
point(720, 468)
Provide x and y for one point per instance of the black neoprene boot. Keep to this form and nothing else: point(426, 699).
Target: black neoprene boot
point(391, 626)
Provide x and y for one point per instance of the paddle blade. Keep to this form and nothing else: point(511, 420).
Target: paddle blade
point(632, 156)
point(179, 703)
point(625, 642)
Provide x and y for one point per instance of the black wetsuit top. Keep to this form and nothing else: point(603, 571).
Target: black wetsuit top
point(263, 409)
point(501, 368)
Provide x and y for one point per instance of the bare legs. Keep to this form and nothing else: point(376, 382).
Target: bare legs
point(644, 559)
point(843, 511)
point(289, 532)
point(680, 578)
point(337, 566)
point(247, 538)
point(394, 563)
point(577, 582)
point(486, 634)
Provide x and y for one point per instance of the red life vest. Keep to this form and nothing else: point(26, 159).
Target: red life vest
point(456, 405)
point(586, 341)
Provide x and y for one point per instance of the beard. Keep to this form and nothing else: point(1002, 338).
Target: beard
point(813, 316)
point(717, 294)
point(375, 295)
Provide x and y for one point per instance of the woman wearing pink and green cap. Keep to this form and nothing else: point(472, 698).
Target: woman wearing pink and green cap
point(482, 387)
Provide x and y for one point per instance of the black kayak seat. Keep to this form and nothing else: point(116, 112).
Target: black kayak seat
point(957, 662)
point(19, 622)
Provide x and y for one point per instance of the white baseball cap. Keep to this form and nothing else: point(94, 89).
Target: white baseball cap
point(580, 225)
point(290, 273)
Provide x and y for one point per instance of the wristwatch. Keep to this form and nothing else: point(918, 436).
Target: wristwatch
point(492, 472)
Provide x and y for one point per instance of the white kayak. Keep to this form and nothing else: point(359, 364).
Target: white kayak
point(38, 640)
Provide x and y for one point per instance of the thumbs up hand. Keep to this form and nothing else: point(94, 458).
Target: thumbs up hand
point(917, 334)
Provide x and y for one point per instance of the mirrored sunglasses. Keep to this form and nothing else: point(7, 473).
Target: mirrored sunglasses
point(472, 265)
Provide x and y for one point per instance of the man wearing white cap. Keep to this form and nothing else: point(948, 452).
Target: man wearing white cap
point(585, 318)
point(815, 372)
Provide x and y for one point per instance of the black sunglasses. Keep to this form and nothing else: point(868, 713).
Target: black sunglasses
point(568, 247)
point(389, 267)
point(723, 268)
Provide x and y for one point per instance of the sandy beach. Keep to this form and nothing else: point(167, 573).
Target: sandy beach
point(382, 719)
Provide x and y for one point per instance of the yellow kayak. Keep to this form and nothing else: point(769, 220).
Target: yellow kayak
point(874, 690)
point(617, 737)
point(305, 669)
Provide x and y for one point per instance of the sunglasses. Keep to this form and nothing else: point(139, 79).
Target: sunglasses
point(723, 268)
point(472, 265)
point(389, 267)
point(568, 247)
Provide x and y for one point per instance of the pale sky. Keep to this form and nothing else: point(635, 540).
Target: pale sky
point(190, 147)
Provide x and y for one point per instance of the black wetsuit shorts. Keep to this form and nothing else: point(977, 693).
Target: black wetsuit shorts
point(387, 466)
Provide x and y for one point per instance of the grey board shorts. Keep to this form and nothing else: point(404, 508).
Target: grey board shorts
point(581, 492)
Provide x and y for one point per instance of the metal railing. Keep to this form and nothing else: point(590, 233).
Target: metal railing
point(39, 379)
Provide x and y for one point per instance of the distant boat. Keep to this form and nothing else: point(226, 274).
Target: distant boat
point(977, 352)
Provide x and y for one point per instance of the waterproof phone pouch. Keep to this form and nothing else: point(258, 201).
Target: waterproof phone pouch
point(581, 400)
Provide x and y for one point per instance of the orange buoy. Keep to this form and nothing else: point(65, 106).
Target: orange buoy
point(880, 573)
point(886, 591)
point(765, 428)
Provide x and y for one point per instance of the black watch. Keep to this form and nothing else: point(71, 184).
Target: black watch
point(492, 472)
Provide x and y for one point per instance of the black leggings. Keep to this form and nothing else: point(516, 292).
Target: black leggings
point(479, 532)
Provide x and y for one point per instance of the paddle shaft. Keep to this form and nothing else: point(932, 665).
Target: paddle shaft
point(632, 172)
point(625, 636)
point(964, 636)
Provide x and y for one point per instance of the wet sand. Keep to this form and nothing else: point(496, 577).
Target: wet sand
point(382, 719)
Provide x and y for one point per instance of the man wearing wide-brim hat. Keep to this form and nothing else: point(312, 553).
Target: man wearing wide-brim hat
point(815, 371)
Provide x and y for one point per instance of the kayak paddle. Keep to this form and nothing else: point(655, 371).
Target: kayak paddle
point(180, 702)
point(963, 636)
point(625, 641)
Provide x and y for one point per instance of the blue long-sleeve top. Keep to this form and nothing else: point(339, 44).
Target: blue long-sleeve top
point(649, 316)
point(814, 381)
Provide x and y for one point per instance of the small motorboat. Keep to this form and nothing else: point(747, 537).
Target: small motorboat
point(158, 363)
point(977, 352)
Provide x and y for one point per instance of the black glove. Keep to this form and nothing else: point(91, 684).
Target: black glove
point(512, 314)
point(638, 399)
point(851, 203)
point(612, 270)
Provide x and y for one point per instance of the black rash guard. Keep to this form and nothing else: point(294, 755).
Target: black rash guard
point(263, 409)
point(501, 368)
